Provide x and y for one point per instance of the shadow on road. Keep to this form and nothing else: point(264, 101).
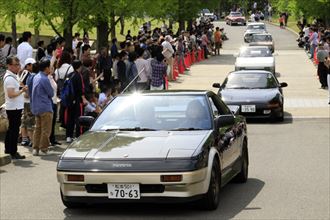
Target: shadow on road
point(234, 199)
point(223, 59)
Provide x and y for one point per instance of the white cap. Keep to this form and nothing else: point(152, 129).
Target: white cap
point(29, 61)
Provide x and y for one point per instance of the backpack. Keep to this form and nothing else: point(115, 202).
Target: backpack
point(60, 82)
point(67, 92)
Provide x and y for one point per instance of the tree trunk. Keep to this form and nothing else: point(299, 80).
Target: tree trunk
point(189, 25)
point(122, 25)
point(102, 30)
point(170, 24)
point(181, 15)
point(113, 24)
point(13, 28)
point(36, 34)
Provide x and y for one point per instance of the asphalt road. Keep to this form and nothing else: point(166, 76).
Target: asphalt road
point(289, 161)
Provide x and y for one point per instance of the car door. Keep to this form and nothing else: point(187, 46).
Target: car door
point(225, 140)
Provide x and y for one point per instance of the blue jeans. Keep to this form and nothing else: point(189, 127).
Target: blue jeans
point(312, 50)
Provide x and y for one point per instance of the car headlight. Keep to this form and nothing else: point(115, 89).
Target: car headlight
point(274, 103)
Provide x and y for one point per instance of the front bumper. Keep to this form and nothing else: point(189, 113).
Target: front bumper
point(94, 186)
point(262, 110)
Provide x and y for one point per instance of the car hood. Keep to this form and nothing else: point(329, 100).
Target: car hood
point(248, 95)
point(265, 43)
point(254, 61)
point(255, 31)
point(135, 145)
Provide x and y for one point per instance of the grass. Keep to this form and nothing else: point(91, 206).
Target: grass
point(24, 23)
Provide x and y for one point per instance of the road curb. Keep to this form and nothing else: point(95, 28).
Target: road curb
point(4, 159)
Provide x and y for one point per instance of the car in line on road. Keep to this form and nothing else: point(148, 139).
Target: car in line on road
point(255, 58)
point(208, 15)
point(258, 93)
point(264, 39)
point(167, 146)
point(254, 28)
point(235, 18)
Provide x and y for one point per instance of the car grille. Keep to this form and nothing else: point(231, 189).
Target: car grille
point(144, 188)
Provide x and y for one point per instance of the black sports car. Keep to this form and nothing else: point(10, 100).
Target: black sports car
point(159, 146)
point(258, 93)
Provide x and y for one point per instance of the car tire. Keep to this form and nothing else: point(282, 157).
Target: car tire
point(71, 205)
point(242, 176)
point(212, 197)
point(280, 118)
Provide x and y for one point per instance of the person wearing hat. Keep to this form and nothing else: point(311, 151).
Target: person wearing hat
point(42, 108)
point(28, 120)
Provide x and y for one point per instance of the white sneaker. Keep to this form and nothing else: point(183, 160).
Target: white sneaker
point(68, 140)
point(35, 152)
point(43, 153)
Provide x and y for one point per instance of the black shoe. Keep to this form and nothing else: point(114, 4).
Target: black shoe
point(17, 156)
point(55, 143)
point(30, 144)
point(25, 143)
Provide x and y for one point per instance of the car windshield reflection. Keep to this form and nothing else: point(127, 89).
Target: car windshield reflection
point(255, 52)
point(155, 112)
point(250, 81)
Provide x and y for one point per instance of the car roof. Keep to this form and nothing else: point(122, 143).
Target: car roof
point(251, 71)
point(172, 92)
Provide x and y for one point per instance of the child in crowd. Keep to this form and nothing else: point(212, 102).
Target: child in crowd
point(104, 96)
point(92, 109)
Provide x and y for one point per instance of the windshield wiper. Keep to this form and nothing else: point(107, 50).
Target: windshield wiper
point(240, 87)
point(186, 129)
point(136, 129)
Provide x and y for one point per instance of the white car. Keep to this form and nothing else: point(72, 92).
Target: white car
point(208, 15)
point(254, 28)
point(255, 58)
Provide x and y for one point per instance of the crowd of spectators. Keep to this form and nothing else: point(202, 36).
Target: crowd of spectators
point(36, 83)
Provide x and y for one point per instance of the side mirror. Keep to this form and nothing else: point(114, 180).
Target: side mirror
point(234, 109)
point(86, 121)
point(224, 120)
point(283, 84)
point(216, 85)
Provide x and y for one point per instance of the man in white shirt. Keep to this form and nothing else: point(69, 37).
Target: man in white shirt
point(14, 105)
point(144, 71)
point(24, 50)
point(168, 52)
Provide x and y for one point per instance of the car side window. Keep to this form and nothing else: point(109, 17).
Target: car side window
point(218, 107)
point(215, 110)
point(222, 108)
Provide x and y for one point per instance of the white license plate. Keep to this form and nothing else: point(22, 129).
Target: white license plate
point(123, 191)
point(248, 108)
point(239, 22)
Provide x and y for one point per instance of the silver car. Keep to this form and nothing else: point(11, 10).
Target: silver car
point(264, 39)
point(254, 28)
point(255, 58)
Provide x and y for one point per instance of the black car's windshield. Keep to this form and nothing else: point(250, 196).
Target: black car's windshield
point(138, 112)
point(245, 80)
point(235, 14)
point(261, 38)
point(255, 52)
point(256, 27)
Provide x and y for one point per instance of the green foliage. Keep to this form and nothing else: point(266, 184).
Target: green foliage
point(315, 8)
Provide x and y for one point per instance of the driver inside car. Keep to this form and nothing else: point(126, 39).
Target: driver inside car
point(196, 116)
